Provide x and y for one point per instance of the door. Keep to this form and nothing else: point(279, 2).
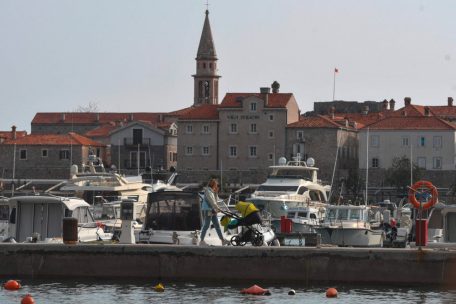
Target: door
point(137, 136)
point(25, 221)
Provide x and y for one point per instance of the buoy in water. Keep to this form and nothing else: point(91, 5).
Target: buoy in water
point(159, 287)
point(255, 290)
point(292, 292)
point(12, 285)
point(27, 300)
point(331, 293)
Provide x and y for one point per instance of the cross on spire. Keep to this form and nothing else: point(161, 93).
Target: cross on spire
point(207, 5)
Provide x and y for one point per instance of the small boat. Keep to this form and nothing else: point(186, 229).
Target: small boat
point(40, 219)
point(305, 219)
point(349, 225)
point(174, 217)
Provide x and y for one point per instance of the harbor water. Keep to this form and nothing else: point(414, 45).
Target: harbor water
point(87, 292)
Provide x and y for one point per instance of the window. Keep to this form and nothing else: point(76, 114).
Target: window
point(374, 162)
point(44, 153)
point(437, 142)
point(189, 129)
point(271, 134)
point(252, 151)
point(205, 129)
point(253, 107)
point(253, 128)
point(4, 213)
point(205, 150)
point(137, 159)
point(437, 163)
point(374, 140)
point(300, 135)
point(188, 150)
point(23, 154)
point(270, 156)
point(405, 141)
point(421, 141)
point(271, 117)
point(232, 152)
point(64, 154)
point(174, 157)
point(421, 162)
point(233, 128)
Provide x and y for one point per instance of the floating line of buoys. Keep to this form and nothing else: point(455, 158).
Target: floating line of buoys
point(12, 285)
point(27, 299)
point(331, 293)
point(159, 287)
point(256, 290)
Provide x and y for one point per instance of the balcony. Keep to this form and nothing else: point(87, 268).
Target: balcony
point(142, 141)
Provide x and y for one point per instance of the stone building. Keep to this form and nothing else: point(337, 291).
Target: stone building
point(46, 156)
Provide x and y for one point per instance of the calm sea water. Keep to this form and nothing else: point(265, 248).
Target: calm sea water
point(99, 292)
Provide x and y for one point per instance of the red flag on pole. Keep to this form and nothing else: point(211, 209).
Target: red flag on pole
point(336, 70)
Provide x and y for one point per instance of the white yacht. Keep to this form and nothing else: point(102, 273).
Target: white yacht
point(349, 225)
point(40, 219)
point(291, 185)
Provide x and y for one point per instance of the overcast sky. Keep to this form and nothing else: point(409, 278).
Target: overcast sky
point(131, 55)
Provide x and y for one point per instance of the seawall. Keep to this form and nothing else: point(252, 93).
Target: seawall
point(163, 262)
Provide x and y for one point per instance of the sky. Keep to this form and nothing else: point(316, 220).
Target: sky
point(138, 56)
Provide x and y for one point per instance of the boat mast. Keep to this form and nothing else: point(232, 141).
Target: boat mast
point(367, 163)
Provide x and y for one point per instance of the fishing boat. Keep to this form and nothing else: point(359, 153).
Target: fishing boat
point(292, 185)
point(40, 219)
point(349, 225)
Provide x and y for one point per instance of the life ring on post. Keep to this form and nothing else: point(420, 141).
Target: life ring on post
point(431, 194)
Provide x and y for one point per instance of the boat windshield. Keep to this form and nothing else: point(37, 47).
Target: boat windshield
point(332, 214)
point(355, 214)
point(343, 214)
point(278, 188)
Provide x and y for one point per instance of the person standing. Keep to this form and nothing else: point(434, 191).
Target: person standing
point(209, 209)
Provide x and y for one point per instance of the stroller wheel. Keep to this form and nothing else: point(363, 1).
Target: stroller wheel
point(237, 241)
point(258, 240)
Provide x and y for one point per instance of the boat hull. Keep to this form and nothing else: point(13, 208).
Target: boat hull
point(351, 237)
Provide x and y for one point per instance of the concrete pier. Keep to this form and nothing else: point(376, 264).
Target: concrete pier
point(172, 263)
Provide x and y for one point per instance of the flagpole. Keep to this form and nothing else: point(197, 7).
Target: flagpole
point(334, 84)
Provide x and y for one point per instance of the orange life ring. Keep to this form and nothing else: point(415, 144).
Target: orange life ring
point(414, 189)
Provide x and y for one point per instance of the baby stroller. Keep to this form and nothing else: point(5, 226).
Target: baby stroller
point(251, 223)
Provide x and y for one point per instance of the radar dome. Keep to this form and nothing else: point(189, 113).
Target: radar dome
point(310, 162)
point(282, 161)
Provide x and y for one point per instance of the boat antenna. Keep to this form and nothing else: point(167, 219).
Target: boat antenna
point(367, 164)
point(334, 170)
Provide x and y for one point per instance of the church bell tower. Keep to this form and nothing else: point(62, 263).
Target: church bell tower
point(206, 78)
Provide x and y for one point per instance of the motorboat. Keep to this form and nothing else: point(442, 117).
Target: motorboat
point(40, 219)
point(291, 185)
point(174, 217)
point(305, 219)
point(350, 225)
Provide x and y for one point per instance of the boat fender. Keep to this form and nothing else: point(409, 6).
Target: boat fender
point(331, 293)
point(431, 196)
point(255, 290)
point(12, 285)
point(27, 299)
point(292, 292)
point(159, 287)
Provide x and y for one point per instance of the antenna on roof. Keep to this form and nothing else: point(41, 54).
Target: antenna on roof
point(207, 6)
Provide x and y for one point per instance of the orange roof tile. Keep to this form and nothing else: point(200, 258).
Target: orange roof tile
point(92, 118)
point(412, 123)
point(54, 139)
point(443, 111)
point(102, 131)
point(315, 122)
point(9, 135)
point(410, 110)
point(204, 112)
point(275, 100)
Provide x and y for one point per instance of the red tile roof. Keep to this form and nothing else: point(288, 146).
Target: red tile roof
point(102, 131)
point(319, 121)
point(9, 135)
point(362, 119)
point(275, 100)
point(443, 111)
point(412, 123)
point(54, 139)
point(92, 118)
point(203, 112)
point(410, 110)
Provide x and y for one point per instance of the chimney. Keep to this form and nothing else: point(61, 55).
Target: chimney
point(131, 116)
point(332, 111)
point(450, 101)
point(365, 110)
point(265, 92)
point(98, 117)
point(407, 101)
point(63, 116)
point(347, 123)
point(392, 104)
point(160, 117)
point(13, 132)
point(427, 111)
point(404, 113)
point(275, 87)
point(385, 105)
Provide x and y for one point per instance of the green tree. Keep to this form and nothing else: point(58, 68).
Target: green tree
point(399, 174)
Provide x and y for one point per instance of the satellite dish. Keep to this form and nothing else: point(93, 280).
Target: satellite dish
point(282, 161)
point(310, 162)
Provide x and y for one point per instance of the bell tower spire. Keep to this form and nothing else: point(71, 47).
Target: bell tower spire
point(206, 77)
